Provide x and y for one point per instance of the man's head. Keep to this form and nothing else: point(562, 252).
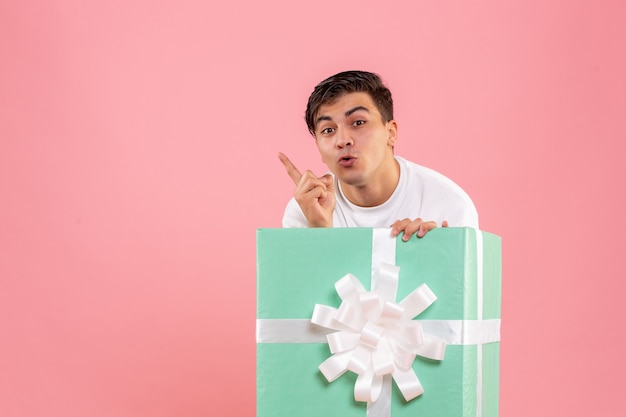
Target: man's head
point(347, 82)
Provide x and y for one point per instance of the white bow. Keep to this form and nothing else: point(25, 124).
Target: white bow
point(376, 336)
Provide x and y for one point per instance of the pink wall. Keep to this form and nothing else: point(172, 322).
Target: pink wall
point(138, 156)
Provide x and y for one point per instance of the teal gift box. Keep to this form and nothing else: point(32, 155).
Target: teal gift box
point(298, 268)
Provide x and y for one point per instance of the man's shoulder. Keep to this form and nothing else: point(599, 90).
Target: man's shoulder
point(439, 194)
point(293, 215)
point(414, 170)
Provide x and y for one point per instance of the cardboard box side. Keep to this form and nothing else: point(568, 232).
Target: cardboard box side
point(439, 261)
point(298, 268)
point(288, 380)
point(492, 276)
point(491, 379)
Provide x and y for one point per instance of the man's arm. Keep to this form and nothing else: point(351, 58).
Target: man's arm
point(315, 195)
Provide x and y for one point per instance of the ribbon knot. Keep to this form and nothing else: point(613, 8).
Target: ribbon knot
point(376, 336)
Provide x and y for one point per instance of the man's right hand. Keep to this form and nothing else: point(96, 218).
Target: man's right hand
point(315, 195)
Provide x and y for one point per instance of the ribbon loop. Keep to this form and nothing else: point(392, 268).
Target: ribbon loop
point(360, 360)
point(382, 359)
point(325, 316)
point(367, 387)
point(432, 348)
point(349, 288)
point(371, 334)
point(408, 383)
point(342, 341)
point(417, 301)
point(335, 366)
point(350, 315)
point(391, 312)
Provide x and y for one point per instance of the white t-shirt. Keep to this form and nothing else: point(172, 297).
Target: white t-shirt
point(421, 192)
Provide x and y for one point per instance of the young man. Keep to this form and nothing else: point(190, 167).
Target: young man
point(350, 115)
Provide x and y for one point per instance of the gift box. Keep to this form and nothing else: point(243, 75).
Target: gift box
point(298, 269)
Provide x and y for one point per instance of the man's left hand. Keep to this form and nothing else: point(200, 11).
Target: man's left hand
point(410, 227)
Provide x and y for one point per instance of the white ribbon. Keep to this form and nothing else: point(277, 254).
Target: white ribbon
point(453, 332)
point(479, 316)
point(375, 336)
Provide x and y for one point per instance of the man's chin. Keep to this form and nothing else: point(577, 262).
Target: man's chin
point(351, 180)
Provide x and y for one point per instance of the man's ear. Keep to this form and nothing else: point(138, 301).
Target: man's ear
point(392, 129)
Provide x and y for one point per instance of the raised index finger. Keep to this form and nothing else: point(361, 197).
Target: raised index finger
point(290, 167)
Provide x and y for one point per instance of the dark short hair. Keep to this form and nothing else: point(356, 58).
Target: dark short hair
point(346, 82)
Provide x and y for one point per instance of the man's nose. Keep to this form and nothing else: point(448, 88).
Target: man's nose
point(344, 138)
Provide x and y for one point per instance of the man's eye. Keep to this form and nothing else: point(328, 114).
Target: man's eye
point(359, 122)
point(327, 130)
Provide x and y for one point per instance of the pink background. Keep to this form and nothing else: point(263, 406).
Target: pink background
point(138, 158)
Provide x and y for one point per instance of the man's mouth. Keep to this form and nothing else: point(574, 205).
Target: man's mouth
point(347, 161)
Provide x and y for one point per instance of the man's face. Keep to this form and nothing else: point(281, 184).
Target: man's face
point(353, 140)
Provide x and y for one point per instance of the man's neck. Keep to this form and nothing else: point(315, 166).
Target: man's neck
point(376, 192)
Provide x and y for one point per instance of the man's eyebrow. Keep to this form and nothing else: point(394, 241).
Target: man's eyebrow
point(348, 113)
point(357, 108)
point(319, 119)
